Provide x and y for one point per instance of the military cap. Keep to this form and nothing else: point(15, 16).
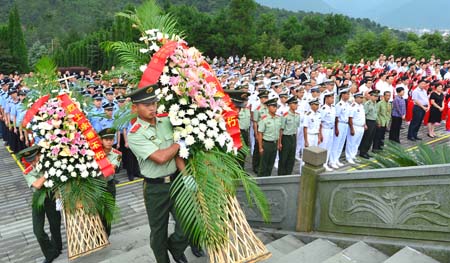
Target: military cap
point(238, 97)
point(97, 78)
point(328, 93)
point(99, 88)
point(306, 82)
point(289, 79)
point(108, 133)
point(344, 90)
point(358, 95)
point(97, 97)
point(328, 81)
point(315, 89)
point(12, 90)
point(284, 93)
point(21, 93)
point(374, 92)
point(85, 93)
point(109, 91)
point(291, 100)
point(29, 153)
point(271, 102)
point(144, 95)
point(121, 98)
point(91, 86)
point(314, 101)
point(263, 94)
point(276, 84)
point(108, 106)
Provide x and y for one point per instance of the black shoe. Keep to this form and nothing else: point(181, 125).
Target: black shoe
point(116, 181)
point(418, 139)
point(198, 252)
point(130, 178)
point(364, 155)
point(411, 139)
point(180, 259)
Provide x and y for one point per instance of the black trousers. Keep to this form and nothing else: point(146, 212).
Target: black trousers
point(379, 138)
point(245, 139)
point(267, 159)
point(111, 187)
point(368, 136)
point(132, 166)
point(394, 131)
point(51, 248)
point(416, 122)
point(287, 155)
point(256, 157)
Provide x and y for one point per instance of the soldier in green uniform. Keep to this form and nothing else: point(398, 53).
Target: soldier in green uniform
point(51, 248)
point(115, 158)
point(256, 117)
point(289, 126)
point(151, 140)
point(370, 107)
point(269, 129)
point(240, 99)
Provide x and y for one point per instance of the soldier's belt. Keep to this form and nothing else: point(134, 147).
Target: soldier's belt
point(161, 180)
point(313, 133)
point(289, 134)
point(270, 141)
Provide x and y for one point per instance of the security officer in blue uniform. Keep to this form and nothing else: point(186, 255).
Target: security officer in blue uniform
point(95, 112)
point(107, 120)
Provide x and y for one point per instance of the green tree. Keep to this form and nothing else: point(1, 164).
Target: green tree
point(17, 41)
point(291, 32)
point(313, 35)
point(241, 15)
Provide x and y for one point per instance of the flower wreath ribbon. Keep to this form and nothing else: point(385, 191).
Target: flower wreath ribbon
point(154, 70)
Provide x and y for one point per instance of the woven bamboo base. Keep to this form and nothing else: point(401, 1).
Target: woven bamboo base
point(85, 234)
point(243, 246)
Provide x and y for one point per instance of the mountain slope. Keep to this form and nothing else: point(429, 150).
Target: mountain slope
point(296, 5)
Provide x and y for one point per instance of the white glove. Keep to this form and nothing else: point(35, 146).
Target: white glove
point(182, 143)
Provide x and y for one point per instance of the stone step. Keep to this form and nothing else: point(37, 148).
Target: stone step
point(409, 255)
point(282, 247)
point(358, 253)
point(315, 252)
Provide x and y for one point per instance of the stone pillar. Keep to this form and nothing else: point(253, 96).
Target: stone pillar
point(314, 158)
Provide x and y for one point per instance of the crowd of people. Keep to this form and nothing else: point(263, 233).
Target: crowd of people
point(284, 106)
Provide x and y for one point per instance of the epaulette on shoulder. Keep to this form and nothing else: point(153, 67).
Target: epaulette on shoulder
point(263, 117)
point(323, 107)
point(286, 114)
point(353, 104)
point(162, 115)
point(135, 128)
point(259, 107)
point(340, 103)
point(28, 170)
point(308, 113)
point(117, 151)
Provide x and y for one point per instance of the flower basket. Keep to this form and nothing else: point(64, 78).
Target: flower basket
point(243, 244)
point(85, 233)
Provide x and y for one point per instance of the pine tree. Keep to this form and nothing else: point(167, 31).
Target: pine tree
point(17, 41)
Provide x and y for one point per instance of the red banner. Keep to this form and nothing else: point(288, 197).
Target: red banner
point(34, 109)
point(89, 133)
point(156, 65)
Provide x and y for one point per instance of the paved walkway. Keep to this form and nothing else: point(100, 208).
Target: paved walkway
point(17, 241)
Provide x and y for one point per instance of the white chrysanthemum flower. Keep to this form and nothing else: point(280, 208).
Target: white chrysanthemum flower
point(94, 165)
point(84, 174)
point(164, 79)
point(212, 123)
point(154, 47)
point(195, 122)
point(71, 160)
point(221, 139)
point(57, 164)
point(203, 127)
point(143, 68)
point(143, 38)
point(181, 113)
point(39, 167)
point(222, 125)
point(47, 164)
point(174, 108)
point(166, 69)
point(189, 129)
point(169, 97)
point(143, 50)
point(183, 101)
point(183, 153)
point(176, 136)
point(183, 133)
point(202, 116)
point(201, 136)
point(48, 183)
point(196, 130)
point(64, 161)
point(210, 114)
point(175, 71)
point(161, 109)
point(190, 140)
point(230, 146)
point(70, 168)
point(209, 144)
point(159, 35)
point(190, 112)
point(52, 171)
point(63, 178)
point(59, 173)
point(73, 174)
point(186, 121)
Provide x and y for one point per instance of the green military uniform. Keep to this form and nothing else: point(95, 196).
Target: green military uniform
point(51, 248)
point(289, 124)
point(260, 111)
point(244, 124)
point(115, 158)
point(270, 127)
point(370, 108)
point(145, 139)
point(384, 110)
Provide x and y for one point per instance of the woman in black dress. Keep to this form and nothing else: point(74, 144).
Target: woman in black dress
point(437, 106)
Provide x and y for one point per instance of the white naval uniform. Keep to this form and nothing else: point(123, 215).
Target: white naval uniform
point(312, 123)
point(359, 121)
point(302, 109)
point(342, 113)
point(328, 116)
